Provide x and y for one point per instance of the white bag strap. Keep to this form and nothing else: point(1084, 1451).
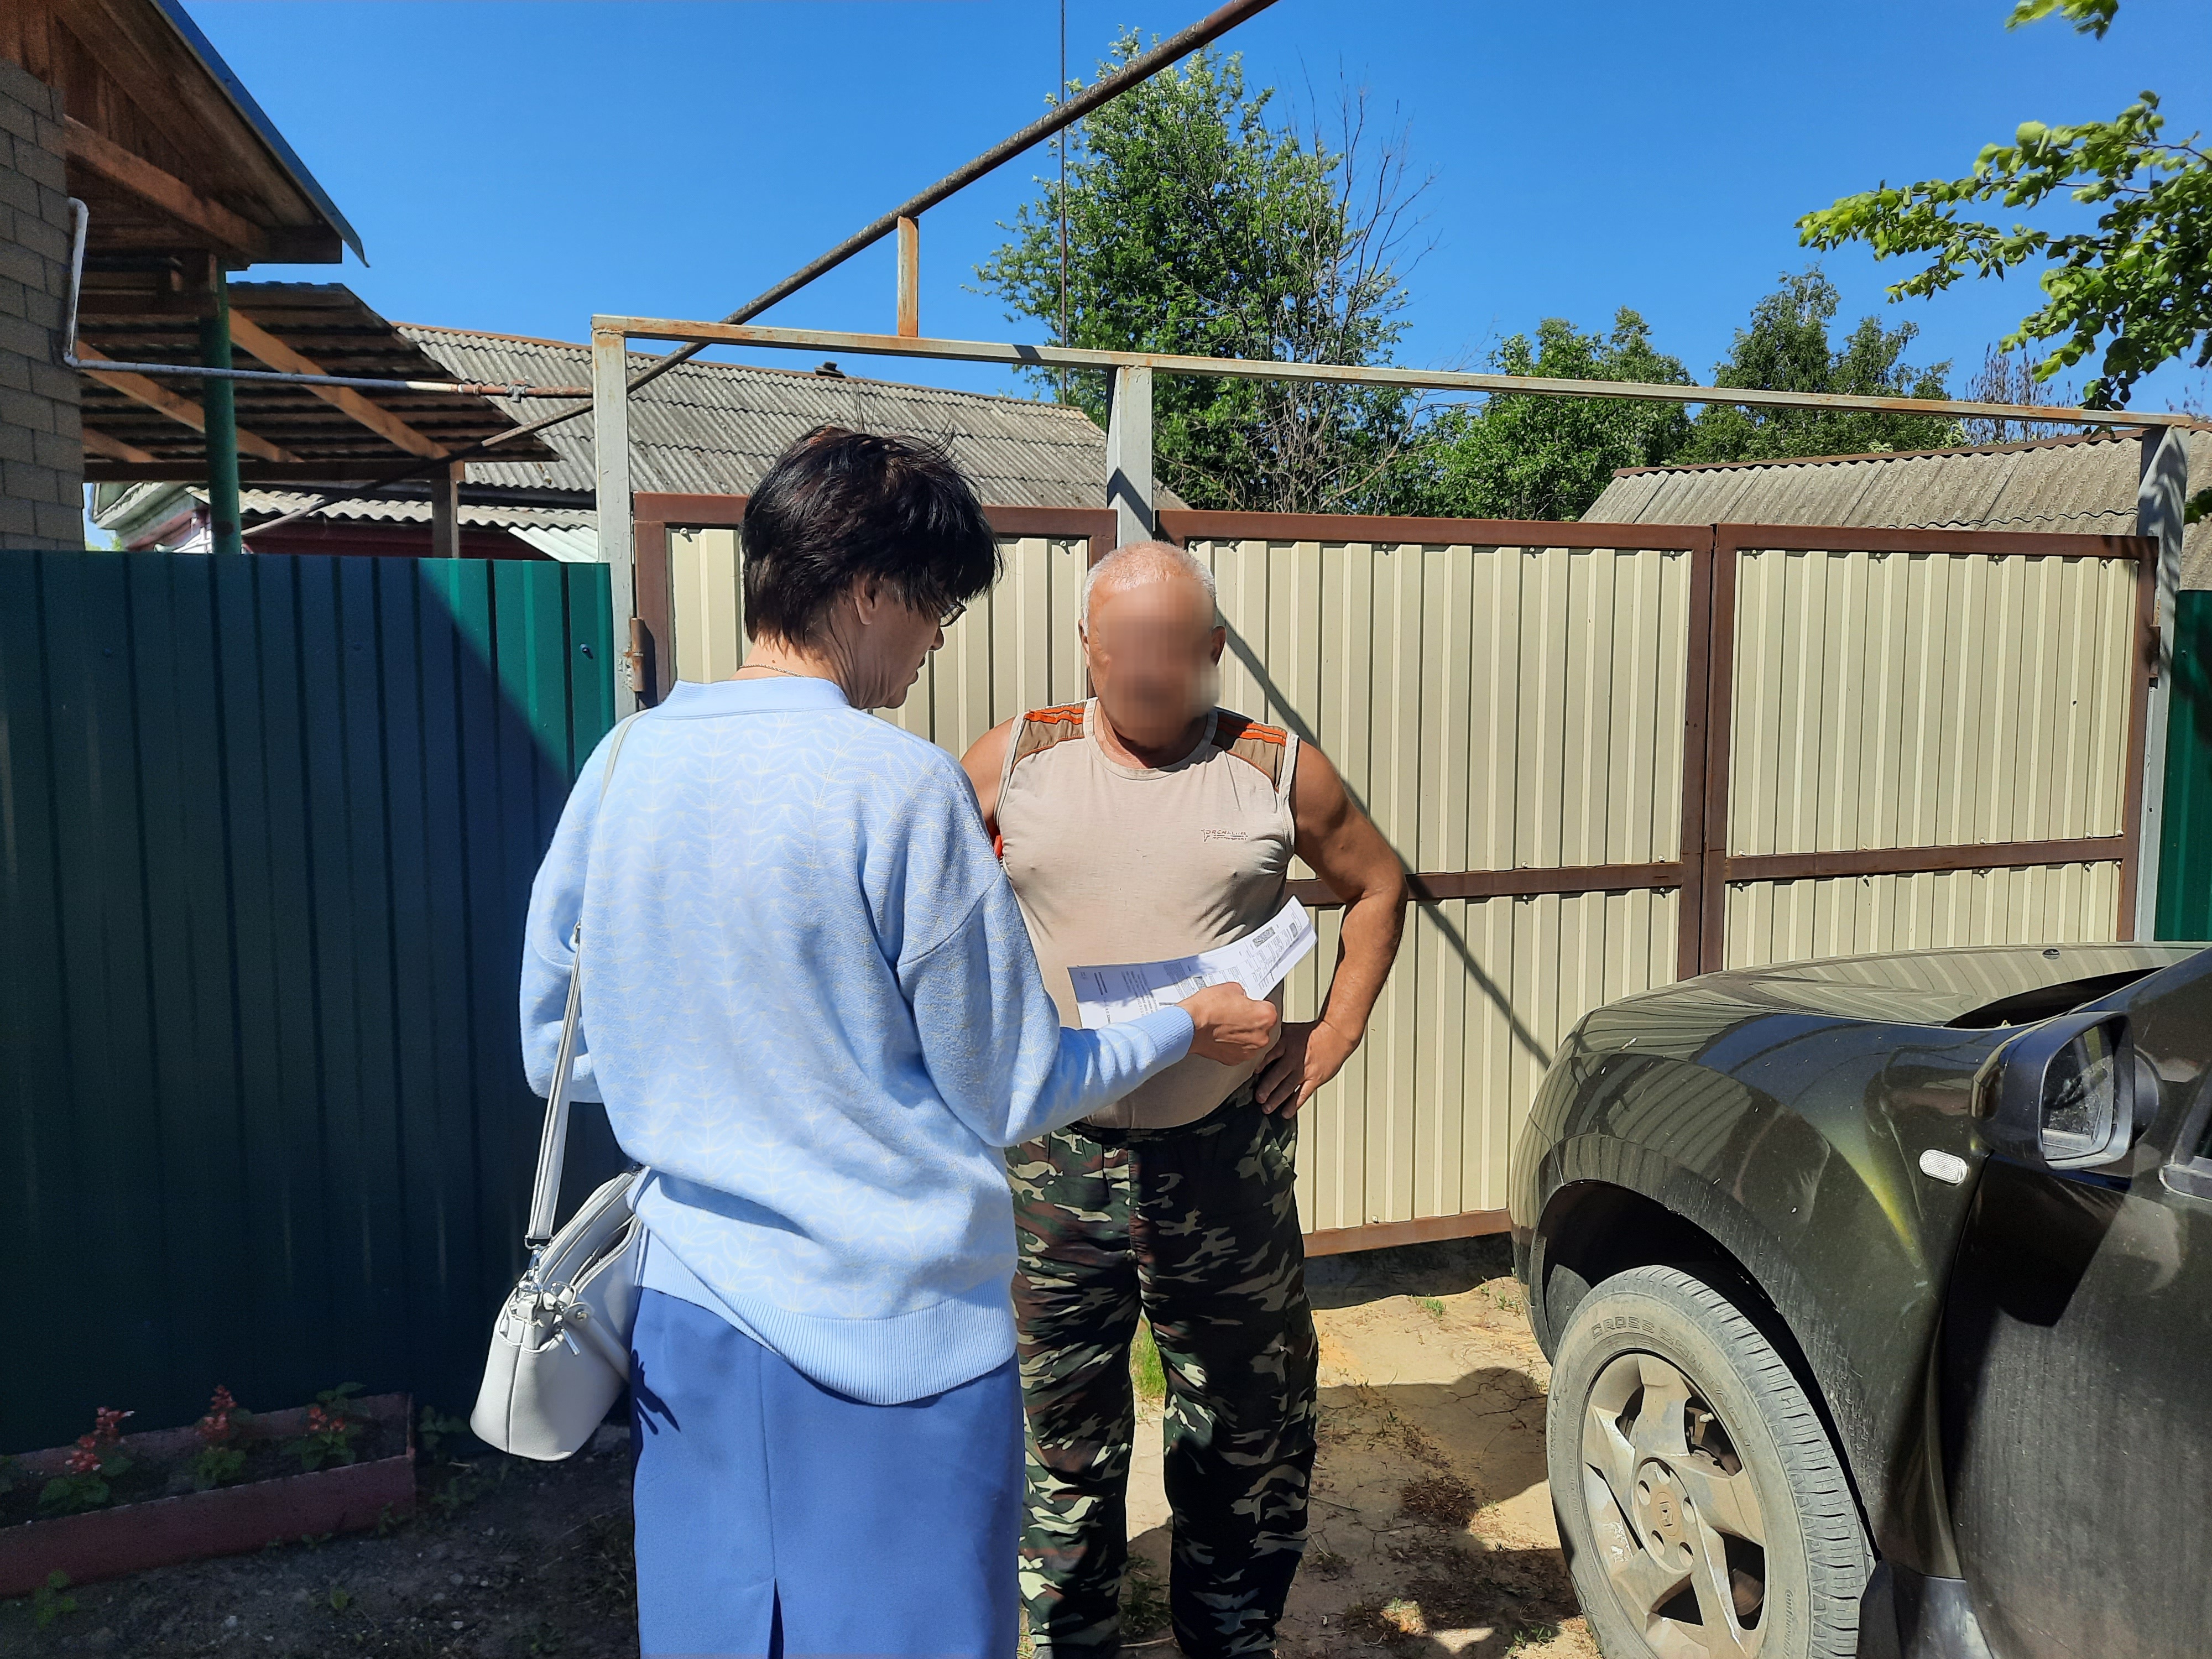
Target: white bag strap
point(553, 1144)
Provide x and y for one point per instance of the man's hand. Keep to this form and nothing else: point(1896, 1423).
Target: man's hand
point(1308, 1053)
point(1231, 1027)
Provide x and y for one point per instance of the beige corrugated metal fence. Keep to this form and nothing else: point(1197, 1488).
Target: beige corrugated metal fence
point(1515, 718)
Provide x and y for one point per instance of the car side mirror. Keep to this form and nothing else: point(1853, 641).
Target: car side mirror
point(2064, 1093)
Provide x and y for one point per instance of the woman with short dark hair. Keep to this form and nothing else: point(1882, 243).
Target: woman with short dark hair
point(811, 1006)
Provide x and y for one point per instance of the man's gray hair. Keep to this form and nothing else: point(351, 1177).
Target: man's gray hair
point(1142, 561)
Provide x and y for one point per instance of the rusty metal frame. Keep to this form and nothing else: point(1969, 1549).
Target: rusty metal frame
point(656, 514)
point(698, 335)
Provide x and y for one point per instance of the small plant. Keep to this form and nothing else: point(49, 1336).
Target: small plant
point(51, 1601)
point(332, 1427)
point(1144, 1601)
point(220, 1459)
point(1326, 1562)
point(1532, 1636)
point(434, 1430)
point(97, 1460)
point(1430, 1306)
point(1147, 1374)
point(339, 1599)
point(11, 1475)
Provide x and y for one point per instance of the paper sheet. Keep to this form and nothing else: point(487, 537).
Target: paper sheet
point(1117, 991)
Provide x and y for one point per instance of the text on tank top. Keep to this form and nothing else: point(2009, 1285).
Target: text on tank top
point(1116, 863)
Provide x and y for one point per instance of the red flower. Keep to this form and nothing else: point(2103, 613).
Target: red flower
point(107, 1424)
point(84, 1460)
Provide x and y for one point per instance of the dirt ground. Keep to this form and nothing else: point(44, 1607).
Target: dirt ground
point(1432, 1529)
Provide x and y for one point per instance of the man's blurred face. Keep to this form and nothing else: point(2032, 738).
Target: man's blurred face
point(1153, 650)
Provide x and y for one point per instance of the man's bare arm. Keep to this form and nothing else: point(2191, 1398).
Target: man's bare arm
point(1347, 852)
point(985, 763)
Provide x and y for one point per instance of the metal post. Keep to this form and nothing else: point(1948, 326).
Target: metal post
point(2161, 488)
point(610, 444)
point(446, 512)
point(219, 410)
point(1129, 455)
point(910, 279)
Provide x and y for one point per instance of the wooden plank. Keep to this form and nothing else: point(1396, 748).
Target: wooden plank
point(141, 389)
point(108, 160)
point(97, 442)
point(245, 332)
point(1428, 1230)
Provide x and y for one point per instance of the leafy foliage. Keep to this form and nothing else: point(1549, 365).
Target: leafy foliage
point(2140, 280)
point(1787, 349)
point(1551, 457)
point(97, 1459)
point(219, 1460)
point(51, 1600)
point(1199, 224)
point(332, 1427)
point(1548, 458)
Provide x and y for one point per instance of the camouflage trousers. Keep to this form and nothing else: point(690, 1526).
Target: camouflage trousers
point(1197, 1229)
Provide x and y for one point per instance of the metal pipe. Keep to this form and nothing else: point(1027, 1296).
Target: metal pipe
point(1064, 114)
point(219, 416)
point(701, 334)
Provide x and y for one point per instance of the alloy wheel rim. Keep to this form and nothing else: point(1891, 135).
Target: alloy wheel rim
point(1677, 1525)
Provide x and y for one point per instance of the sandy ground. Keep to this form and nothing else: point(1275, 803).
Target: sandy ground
point(1431, 1523)
point(1432, 1529)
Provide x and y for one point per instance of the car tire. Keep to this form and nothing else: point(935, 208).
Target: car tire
point(1694, 1483)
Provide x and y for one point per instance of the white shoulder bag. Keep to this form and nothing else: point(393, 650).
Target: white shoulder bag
point(560, 1350)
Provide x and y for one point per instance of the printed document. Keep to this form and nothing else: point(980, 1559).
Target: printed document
point(1261, 960)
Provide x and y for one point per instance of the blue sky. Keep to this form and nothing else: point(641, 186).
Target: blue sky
point(517, 166)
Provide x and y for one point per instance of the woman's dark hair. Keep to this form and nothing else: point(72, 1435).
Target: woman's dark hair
point(839, 505)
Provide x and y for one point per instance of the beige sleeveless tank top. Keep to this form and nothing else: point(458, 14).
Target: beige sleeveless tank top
point(1116, 863)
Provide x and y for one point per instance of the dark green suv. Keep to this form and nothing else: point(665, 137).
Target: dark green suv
point(1877, 1294)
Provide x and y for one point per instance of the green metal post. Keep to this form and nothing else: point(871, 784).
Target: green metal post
point(218, 403)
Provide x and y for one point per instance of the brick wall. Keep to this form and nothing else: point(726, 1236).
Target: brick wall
point(41, 444)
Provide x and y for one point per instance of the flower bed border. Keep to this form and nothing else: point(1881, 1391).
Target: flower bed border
point(159, 1532)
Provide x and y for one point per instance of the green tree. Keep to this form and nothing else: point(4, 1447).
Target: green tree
point(1544, 457)
point(1198, 223)
point(2140, 280)
point(1787, 349)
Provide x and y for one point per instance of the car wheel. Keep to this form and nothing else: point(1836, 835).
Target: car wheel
point(1703, 1509)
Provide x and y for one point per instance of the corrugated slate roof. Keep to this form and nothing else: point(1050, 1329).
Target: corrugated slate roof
point(713, 428)
point(2084, 485)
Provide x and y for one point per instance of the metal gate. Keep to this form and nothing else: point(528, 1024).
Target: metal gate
point(1865, 740)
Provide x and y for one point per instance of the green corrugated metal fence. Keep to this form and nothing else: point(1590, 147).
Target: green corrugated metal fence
point(2184, 858)
point(269, 826)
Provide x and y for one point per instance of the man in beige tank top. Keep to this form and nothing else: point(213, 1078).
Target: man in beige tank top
point(1143, 825)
